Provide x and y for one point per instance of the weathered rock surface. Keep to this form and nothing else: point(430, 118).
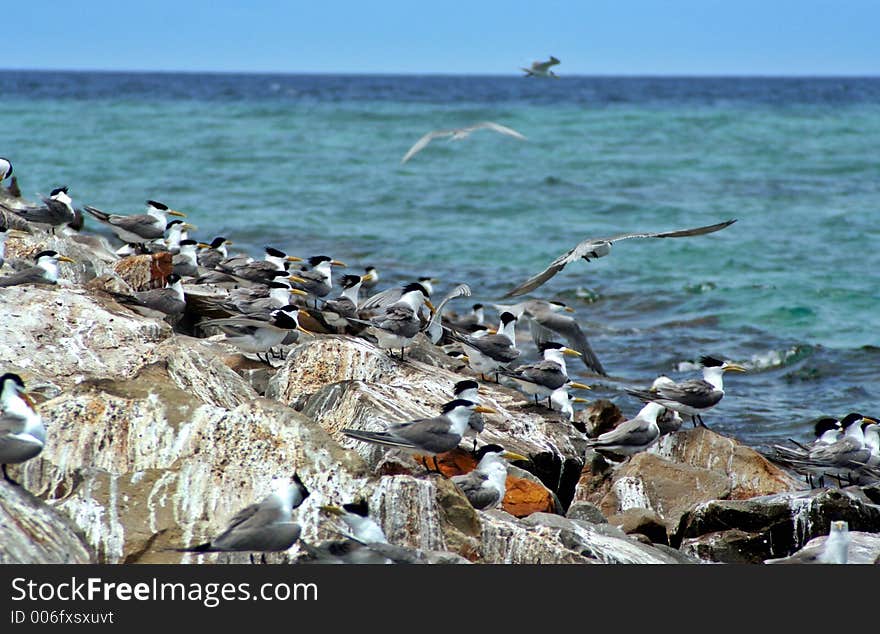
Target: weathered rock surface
point(864, 548)
point(31, 532)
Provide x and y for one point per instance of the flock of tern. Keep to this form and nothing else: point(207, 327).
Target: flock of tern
point(260, 305)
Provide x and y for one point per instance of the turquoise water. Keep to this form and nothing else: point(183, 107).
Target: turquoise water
point(310, 164)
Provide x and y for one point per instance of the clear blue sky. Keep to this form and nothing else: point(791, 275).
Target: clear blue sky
point(595, 37)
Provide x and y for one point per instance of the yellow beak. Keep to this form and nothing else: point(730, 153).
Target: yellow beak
point(430, 306)
point(578, 399)
point(509, 455)
point(484, 410)
point(16, 233)
point(333, 510)
point(367, 277)
point(570, 352)
point(579, 386)
point(568, 309)
point(296, 291)
point(64, 258)
point(289, 258)
point(733, 367)
point(294, 278)
point(172, 212)
point(337, 263)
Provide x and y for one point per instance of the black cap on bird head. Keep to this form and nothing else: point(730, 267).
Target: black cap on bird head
point(358, 508)
point(188, 242)
point(58, 190)
point(549, 345)
point(467, 384)
point(315, 260)
point(482, 451)
point(415, 286)
point(300, 484)
point(348, 281)
point(157, 205)
point(849, 419)
point(278, 285)
point(275, 253)
point(283, 319)
point(48, 253)
point(826, 424)
point(459, 402)
point(710, 362)
point(506, 318)
point(217, 242)
point(476, 307)
point(171, 223)
point(174, 278)
point(11, 376)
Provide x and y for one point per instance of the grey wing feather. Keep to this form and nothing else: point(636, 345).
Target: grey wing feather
point(32, 275)
point(503, 129)
point(545, 331)
point(419, 145)
point(381, 299)
point(635, 432)
point(694, 392)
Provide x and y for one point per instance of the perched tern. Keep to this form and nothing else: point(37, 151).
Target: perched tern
point(260, 271)
point(834, 549)
point(169, 300)
point(473, 320)
point(486, 355)
point(398, 324)
point(469, 390)
point(138, 228)
point(317, 281)
point(563, 402)
point(22, 433)
point(338, 311)
point(391, 295)
point(45, 270)
point(434, 328)
point(457, 134)
point(600, 247)
point(258, 336)
point(485, 486)
point(265, 526)
point(542, 69)
point(371, 278)
point(668, 420)
point(210, 255)
point(185, 262)
point(426, 436)
point(631, 436)
point(56, 210)
point(693, 397)
point(542, 378)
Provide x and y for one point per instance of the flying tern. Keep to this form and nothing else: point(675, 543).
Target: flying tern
point(457, 134)
point(542, 69)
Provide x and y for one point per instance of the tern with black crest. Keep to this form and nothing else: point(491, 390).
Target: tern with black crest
point(22, 432)
point(485, 486)
point(138, 228)
point(44, 271)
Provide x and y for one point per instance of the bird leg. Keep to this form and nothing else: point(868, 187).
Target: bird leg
point(536, 399)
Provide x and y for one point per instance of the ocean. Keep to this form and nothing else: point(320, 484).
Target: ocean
point(311, 164)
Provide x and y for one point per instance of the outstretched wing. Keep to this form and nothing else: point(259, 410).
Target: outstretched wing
point(597, 247)
point(552, 325)
point(421, 143)
point(503, 129)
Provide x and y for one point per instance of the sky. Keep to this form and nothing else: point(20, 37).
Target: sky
point(590, 37)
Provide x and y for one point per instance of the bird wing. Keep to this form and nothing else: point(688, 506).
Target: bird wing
point(636, 431)
point(503, 129)
point(547, 326)
point(497, 347)
point(693, 393)
point(470, 482)
point(32, 275)
point(546, 373)
point(588, 246)
point(419, 145)
point(11, 424)
point(462, 290)
point(383, 298)
point(543, 66)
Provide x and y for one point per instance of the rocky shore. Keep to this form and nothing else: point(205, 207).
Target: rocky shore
point(156, 438)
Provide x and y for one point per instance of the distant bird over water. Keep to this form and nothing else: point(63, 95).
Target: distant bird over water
point(458, 134)
point(600, 247)
point(542, 69)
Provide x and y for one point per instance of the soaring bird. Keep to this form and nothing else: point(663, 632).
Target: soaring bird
point(425, 436)
point(631, 436)
point(693, 397)
point(600, 247)
point(485, 486)
point(457, 134)
point(138, 228)
point(542, 69)
point(44, 271)
point(547, 322)
point(265, 526)
point(22, 433)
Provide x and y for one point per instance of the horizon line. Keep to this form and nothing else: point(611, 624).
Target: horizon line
point(441, 74)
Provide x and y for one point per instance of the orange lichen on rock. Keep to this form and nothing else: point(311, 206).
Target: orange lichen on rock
point(524, 497)
point(143, 272)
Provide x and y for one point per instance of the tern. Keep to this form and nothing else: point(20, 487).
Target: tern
point(56, 210)
point(261, 271)
point(469, 390)
point(337, 311)
point(600, 247)
point(485, 486)
point(546, 321)
point(457, 134)
point(833, 549)
point(631, 436)
point(317, 281)
point(265, 526)
point(373, 279)
point(486, 355)
point(391, 295)
point(426, 436)
point(434, 328)
point(563, 402)
point(668, 420)
point(693, 397)
point(45, 270)
point(166, 301)
point(472, 321)
point(22, 433)
point(186, 263)
point(542, 378)
point(210, 255)
point(5, 168)
point(398, 324)
point(542, 69)
point(138, 228)
point(260, 306)
point(258, 336)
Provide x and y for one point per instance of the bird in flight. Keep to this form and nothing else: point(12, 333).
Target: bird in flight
point(600, 247)
point(542, 69)
point(457, 134)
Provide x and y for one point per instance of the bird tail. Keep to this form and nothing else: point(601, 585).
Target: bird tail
point(528, 72)
point(103, 216)
point(201, 548)
point(644, 395)
point(378, 437)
